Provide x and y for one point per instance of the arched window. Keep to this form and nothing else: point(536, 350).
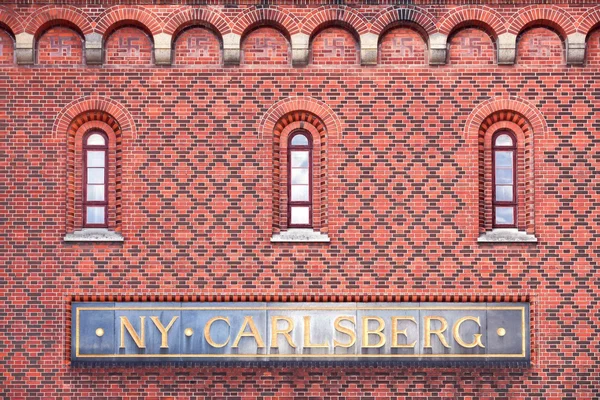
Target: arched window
point(95, 180)
point(504, 164)
point(300, 180)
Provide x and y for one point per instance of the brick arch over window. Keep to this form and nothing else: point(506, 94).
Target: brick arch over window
point(394, 16)
point(12, 21)
point(186, 17)
point(77, 119)
point(322, 124)
point(48, 16)
point(536, 15)
point(589, 20)
point(118, 16)
point(529, 126)
point(334, 15)
point(266, 16)
point(483, 17)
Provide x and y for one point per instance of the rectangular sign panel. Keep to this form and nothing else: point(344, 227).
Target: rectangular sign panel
point(427, 333)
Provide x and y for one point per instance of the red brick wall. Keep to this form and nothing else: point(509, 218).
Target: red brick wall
point(335, 46)
point(7, 45)
point(471, 46)
point(60, 46)
point(197, 191)
point(197, 46)
point(402, 46)
point(128, 46)
point(265, 46)
point(540, 46)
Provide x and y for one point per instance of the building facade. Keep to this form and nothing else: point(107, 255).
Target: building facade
point(155, 152)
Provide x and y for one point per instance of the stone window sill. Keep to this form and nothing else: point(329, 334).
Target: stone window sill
point(300, 236)
point(93, 235)
point(506, 235)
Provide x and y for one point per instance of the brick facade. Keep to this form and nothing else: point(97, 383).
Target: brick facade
point(198, 102)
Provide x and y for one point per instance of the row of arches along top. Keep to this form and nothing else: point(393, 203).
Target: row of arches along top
point(301, 32)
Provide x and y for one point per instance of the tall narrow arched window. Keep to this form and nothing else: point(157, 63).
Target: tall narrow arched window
point(300, 180)
point(504, 203)
point(95, 180)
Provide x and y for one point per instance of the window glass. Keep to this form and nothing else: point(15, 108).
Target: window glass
point(504, 140)
point(505, 216)
point(299, 140)
point(300, 215)
point(95, 215)
point(96, 140)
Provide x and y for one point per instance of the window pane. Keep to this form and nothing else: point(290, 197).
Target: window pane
point(300, 140)
point(504, 175)
point(95, 159)
point(96, 140)
point(300, 215)
point(300, 159)
point(504, 193)
point(95, 192)
point(95, 215)
point(95, 175)
point(504, 216)
point(300, 176)
point(300, 193)
point(504, 140)
point(504, 158)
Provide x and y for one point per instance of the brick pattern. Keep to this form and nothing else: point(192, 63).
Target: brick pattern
point(335, 46)
point(593, 49)
point(7, 49)
point(471, 46)
point(540, 46)
point(403, 189)
point(128, 46)
point(197, 46)
point(60, 46)
point(266, 46)
point(402, 46)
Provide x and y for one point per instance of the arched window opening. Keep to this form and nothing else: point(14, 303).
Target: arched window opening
point(504, 150)
point(95, 165)
point(300, 180)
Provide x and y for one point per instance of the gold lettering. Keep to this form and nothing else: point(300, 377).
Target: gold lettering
point(164, 343)
point(285, 332)
point(207, 336)
point(307, 342)
point(477, 336)
point(138, 339)
point(377, 331)
point(437, 332)
point(338, 327)
point(396, 332)
point(248, 321)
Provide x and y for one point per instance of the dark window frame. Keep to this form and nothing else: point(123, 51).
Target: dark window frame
point(308, 203)
point(90, 203)
point(513, 202)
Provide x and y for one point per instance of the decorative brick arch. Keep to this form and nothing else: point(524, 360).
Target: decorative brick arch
point(393, 16)
point(77, 119)
point(544, 15)
point(187, 16)
point(274, 16)
point(589, 20)
point(48, 16)
point(11, 20)
point(332, 15)
point(482, 16)
point(528, 124)
point(117, 16)
point(279, 122)
point(295, 104)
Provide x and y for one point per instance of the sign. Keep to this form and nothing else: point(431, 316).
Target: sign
point(425, 333)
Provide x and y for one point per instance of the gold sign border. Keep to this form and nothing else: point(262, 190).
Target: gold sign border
point(292, 356)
